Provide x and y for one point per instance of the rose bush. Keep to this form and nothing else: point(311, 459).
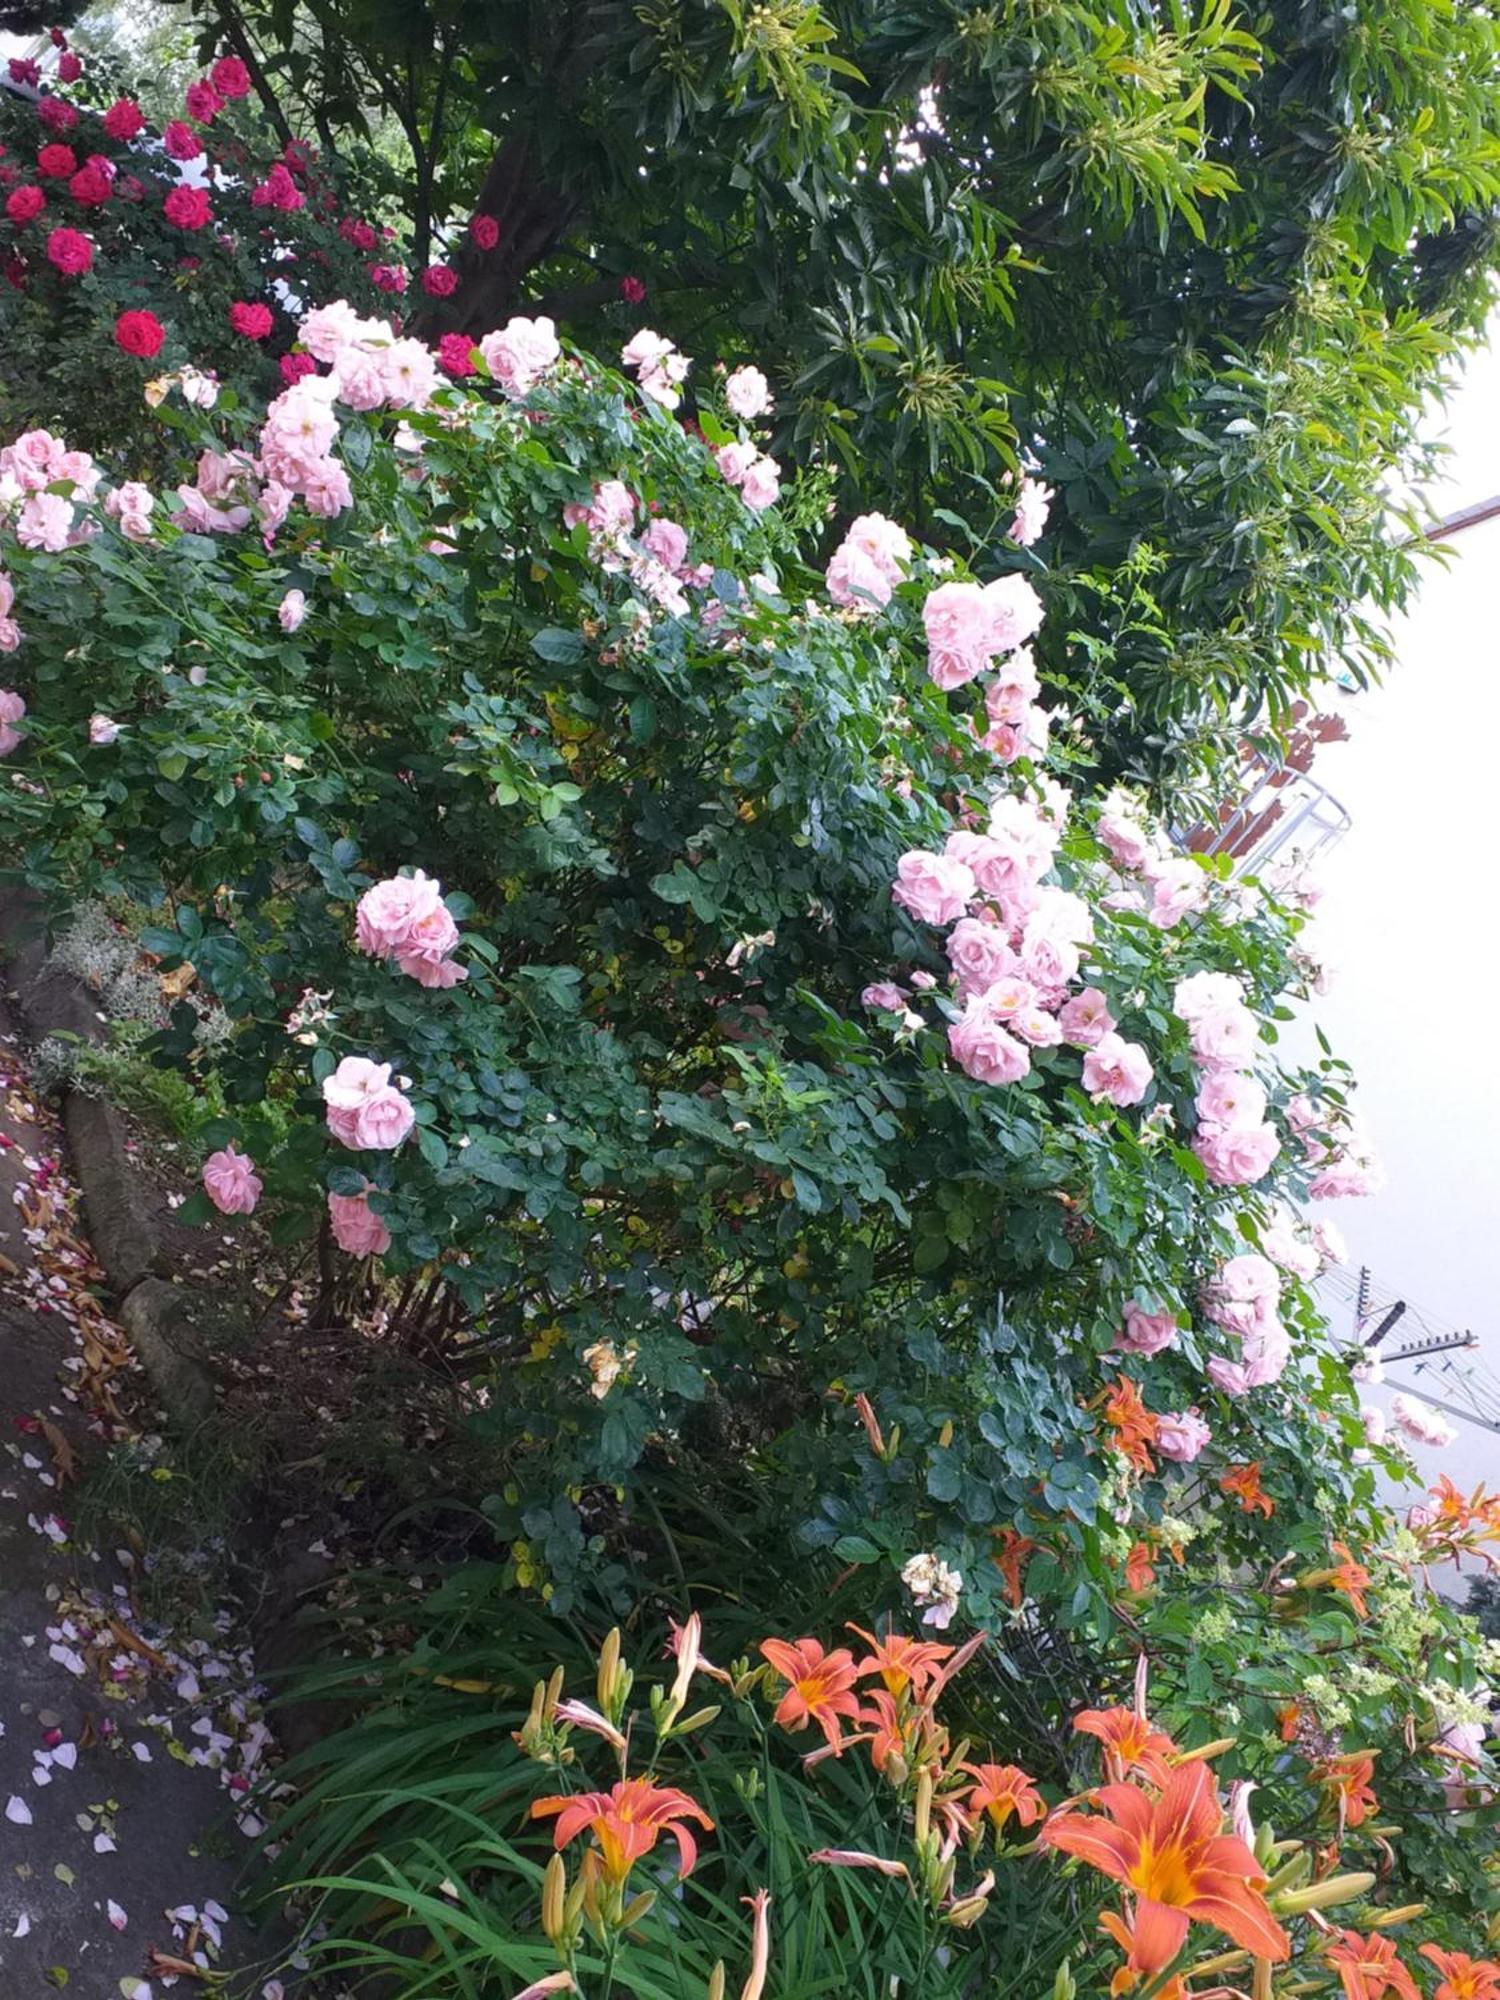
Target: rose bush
point(197, 243)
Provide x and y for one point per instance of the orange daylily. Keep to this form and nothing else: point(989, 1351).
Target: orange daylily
point(1015, 1548)
point(1369, 1967)
point(1130, 1743)
point(627, 1822)
point(1132, 1971)
point(1463, 1978)
point(1348, 1781)
point(820, 1686)
point(1002, 1790)
point(1172, 1854)
point(1289, 1721)
point(1139, 1573)
point(1352, 1578)
point(1135, 1426)
point(1243, 1481)
point(901, 1663)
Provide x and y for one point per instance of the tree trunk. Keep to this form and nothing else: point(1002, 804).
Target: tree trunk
point(533, 218)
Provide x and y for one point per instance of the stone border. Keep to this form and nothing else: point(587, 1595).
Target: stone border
point(158, 1314)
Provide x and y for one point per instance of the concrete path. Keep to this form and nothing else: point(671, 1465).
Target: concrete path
point(125, 1748)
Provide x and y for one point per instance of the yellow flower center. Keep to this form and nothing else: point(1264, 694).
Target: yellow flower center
point(1163, 1874)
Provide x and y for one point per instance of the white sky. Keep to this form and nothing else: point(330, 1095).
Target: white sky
point(1411, 924)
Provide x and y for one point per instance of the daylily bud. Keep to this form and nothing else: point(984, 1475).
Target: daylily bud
point(1384, 1920)
point(609, 1667)
point(553, 1694)
point(1064, 1986)
point(922, 1812)
point(1291, 1874)
point(1322, 1895)
point(1265, 1845)
point(967, 1913)
point(699, 1719)
point(1205, 1751)
point(1260, 1987)
point(554, 1898)
point(638, 1907)
point(716, 1981)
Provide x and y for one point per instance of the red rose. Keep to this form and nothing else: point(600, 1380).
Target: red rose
point(298, 155)
point(181, 141)
point(188, 208)
point(456, 354)
point(57, 114)
point(128, 188)
point(123, 120)
point(140, 333)
point(440, 281)
point(230, 77)
point(91, 187)
point(25, 205)
point(24, 70)
point(58, 39)
point(70, 251)
point(485, 231)
point(294, 366)
point(57, 163)
point(253, 321)
point(632, 290)
point(69, 68)
point(278, 190)
point(388, 277)
point(15, 272)
point(203, 101)
point(360, 234)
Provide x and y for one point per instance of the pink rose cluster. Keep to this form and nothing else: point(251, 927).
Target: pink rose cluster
point(521, 353)
point(1178, 885)
point(1420, 1422)
point(1234, 1139)
point(130, 507)
point(296, 454)
point(1335, 1142)
point(1181, 1435)
point(748, 394)
point(969, 624)
point(756, 477)
point(1243, 1298)
point(1144, 1332)
point(657, 366)
point(868, 563)
point(28, 468)
point(1015, 946)
point(371, 368)
point(405, 918)
point(365, 1110)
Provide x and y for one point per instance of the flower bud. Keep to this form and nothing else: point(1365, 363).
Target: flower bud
point(638, 1907)
point(554, 1899)
point(609, 1667)
point(1322, 1895)
point(716, 1981)
point(1384, 1920)
point(1064, 1985)
point(967, 1913)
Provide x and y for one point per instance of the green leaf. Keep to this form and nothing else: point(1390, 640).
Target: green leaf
point(558, 647)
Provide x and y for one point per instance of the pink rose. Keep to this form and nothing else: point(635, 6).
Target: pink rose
point(1231, 1099)
point(1178, 887)
point(357, 1229)
point(1033, 503)
point(45, 522)
point(12, 708)
point(1236, 1156)
point(1015, 612)
point(984, 1049)
point(856, 580)
point(761, 486)
point(1009, 996)
point(1116, 1070)
point(1224, 1037)
point(885, 996)
point(363, 1107)
point(1181, 1435)
point(748, 393)
point(291, 611)
point(520, 353)
point(231, 1182)
point(979, 954)
point(933, 888)
point(1086, 1019)
point(1145, 1332)
point(1241, 1296)
point(1206, 993)
point(439, 973)
point(667, 542)
point(959, 627)
point(1128, 843)
point(734, 461)
point(1036, 1027)
point(1420, 1422)
point(404, 914)
point(1263, 1360)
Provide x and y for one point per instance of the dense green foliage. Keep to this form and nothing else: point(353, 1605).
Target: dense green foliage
point(1204, 265)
